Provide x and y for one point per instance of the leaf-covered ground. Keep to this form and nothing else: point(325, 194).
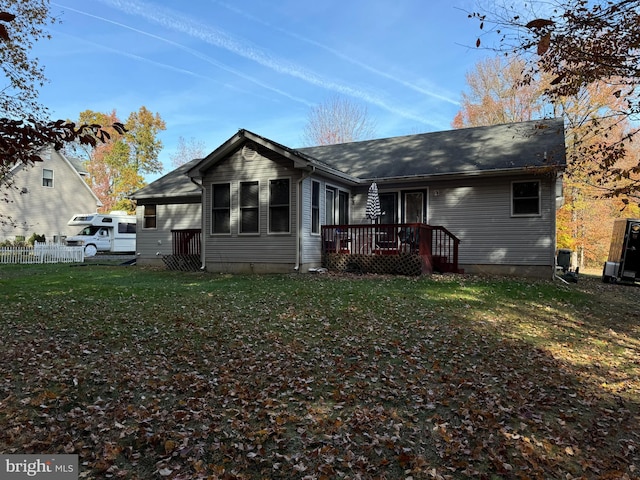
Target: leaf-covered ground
point(153, 374)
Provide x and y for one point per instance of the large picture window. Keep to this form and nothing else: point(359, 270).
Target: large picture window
point(279, 205)
point(525, 198)
point(221, 208)
point(315, 207)
point(249, 203)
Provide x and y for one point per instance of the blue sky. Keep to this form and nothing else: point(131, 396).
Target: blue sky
point(211, 67)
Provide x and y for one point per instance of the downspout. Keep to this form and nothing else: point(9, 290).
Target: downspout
point(202, 236)
point(554, 202)
point(299, 219)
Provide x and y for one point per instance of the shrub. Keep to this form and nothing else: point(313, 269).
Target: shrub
point(36, 238)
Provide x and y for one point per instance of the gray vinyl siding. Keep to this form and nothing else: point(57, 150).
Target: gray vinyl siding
point(311, 253)
point(155, 242)
point(479, 213)
point(311, 242)
point(45, 210)
point(264, 247)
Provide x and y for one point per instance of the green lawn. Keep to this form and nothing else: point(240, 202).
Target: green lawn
point(155, 374)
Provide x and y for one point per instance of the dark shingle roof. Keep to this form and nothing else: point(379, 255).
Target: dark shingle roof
point(464, 151)
point(496, 148)
point(174, 184)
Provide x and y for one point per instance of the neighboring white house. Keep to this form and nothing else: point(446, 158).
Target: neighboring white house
point(43, 197)
point(258, 206)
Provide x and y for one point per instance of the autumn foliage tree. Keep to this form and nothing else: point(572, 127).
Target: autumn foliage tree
point(579, 43)
point(500, 93)
point(117, 167)
point(25, 128)
point(338, 120)
point(496, 95)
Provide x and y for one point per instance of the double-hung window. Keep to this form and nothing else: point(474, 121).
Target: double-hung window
point(47, 178)
point(149, 216)
point(279, 205)
point(221, 208)
point(525, 198)
point(249, 207)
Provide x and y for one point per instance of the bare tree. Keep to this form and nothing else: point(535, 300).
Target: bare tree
point(338, 120)
point(187, 151)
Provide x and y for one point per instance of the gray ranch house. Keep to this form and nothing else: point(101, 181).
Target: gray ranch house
point(478, 200)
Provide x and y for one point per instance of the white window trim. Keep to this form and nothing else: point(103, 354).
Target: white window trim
point(511, 199)
point(425, 192)
point(269, 232)
point(144, 216)
point(221, 234)
point(52, 178)
point(336, 205)
point(248, 234)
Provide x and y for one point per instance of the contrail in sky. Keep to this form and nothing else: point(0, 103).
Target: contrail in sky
point(191, 51)
point(338, 54)
point(173, 20)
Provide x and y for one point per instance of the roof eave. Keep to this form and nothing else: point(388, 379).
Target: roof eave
point(476, 173)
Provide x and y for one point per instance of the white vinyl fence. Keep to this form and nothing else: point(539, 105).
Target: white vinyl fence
point(42, 253)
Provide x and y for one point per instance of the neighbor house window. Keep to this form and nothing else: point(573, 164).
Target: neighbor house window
point(525, 198)
point(47, 178)
point(149, 216)
point(221, 208)
point(279, 205)
point(315, 207)
point(249, 201)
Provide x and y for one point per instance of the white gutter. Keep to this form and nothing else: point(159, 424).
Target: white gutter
point(299, 217)
point(202, 236)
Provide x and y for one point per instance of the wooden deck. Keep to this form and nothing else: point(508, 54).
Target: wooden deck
point(186, 247)
point(404, 248)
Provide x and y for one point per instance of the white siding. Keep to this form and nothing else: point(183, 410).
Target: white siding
point(45, 210)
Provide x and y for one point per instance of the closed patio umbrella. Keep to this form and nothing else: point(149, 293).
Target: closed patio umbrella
point(372, 209)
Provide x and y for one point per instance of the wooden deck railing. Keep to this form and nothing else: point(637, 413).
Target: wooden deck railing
point(435, 244)
point(186, 242)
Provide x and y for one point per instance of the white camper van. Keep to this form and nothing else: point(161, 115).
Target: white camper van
point(113, 232)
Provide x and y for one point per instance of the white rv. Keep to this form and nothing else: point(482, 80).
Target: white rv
point(113, 232)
